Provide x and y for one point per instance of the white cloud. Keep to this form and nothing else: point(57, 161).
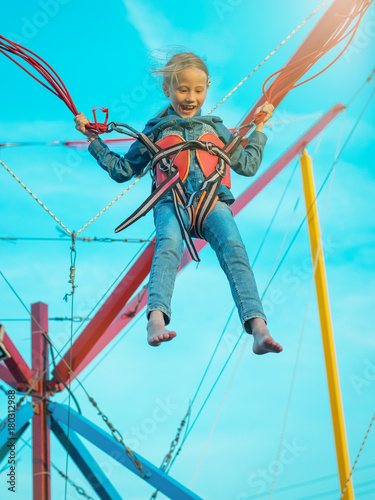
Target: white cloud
point(159, 33)
point(150, 23)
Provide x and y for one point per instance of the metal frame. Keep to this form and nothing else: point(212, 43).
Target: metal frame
point(44, 414)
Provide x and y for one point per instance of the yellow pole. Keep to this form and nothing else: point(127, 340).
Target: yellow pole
point(338, 421)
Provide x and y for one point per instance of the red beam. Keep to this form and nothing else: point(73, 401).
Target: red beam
point(8, 378)
point(41, 434)
point(317, 37)
point(284, 160)
point(80, 354)
point(17, 367)
point(130, 310)
point(123, 318)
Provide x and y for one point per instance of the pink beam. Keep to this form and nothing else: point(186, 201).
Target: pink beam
point(130, 310)
point(41, 434)
point(17, 368)
point(81, 353)
point(317, 37)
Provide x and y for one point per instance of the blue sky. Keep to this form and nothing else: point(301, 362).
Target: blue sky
point(103, 52)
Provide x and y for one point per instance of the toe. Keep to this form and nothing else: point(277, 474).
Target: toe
point(154, 342)
point(271, 345)
point(171, 336)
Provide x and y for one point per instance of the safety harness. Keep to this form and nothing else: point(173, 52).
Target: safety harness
point(169, 169)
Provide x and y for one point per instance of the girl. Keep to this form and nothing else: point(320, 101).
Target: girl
point(185, 83)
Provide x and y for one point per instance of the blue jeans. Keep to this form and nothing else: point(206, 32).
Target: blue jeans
point(221, 232)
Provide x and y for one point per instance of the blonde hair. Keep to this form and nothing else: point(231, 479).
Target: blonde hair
point(178, 62)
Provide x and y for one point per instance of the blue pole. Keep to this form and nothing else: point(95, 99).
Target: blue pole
point(153, 475)
point(85, 462)
point(12, 428)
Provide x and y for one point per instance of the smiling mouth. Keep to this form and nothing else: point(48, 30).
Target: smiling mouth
point(186, 107)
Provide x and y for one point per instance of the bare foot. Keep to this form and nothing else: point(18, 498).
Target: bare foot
point(263, 342)
point(156, 331)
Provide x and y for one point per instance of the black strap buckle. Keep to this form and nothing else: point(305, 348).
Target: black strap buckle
point(209, 148)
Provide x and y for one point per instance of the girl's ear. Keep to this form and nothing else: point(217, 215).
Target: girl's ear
point(208, 82)
point(165, 89)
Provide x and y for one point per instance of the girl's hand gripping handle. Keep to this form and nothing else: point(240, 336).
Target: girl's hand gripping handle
point(264, 113)
point(81, 121)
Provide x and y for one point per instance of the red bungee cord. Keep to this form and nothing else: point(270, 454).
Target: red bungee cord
point(302, 65)
point(53, 82)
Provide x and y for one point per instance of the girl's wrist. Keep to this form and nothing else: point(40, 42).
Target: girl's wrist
point(259, 127)
point(91, 137)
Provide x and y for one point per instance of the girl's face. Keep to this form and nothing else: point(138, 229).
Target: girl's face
point(189, 92)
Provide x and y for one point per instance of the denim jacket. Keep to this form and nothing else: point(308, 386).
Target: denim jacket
point(245, 161)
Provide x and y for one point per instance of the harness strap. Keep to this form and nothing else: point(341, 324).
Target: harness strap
point(208, 191)
point(232, 145)
point(152, 148)
point(171, 183)
point(210, 147)
point(151, 201)
point(182, 197)
point(185, 233)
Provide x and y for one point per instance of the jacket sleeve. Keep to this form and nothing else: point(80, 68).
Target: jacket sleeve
point(123, 168)
point(246, 161)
